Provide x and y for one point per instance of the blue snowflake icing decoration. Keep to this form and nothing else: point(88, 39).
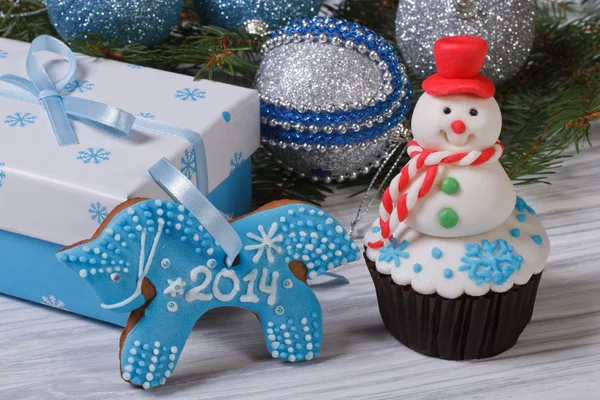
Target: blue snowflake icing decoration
point(236, 161)
point(188, 164)
point(98, 212)
point(189, 94)
point(394, 252)
point(94, 156)
point(3, 54)
point(2, 173)
point(146, 115)
point(20, 120)
point(79, 86)
point(134, 66)
point(490, 262)
point(522, 206)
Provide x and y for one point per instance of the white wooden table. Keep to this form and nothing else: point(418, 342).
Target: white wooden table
point(49, 354)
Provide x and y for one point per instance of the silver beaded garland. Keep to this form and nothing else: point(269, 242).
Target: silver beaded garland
point(332, 94)
point(507, 26)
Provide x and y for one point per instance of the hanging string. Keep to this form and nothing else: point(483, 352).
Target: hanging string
point(398, 145)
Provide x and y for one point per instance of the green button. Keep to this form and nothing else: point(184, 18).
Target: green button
point(448, 218)
point(450, 185)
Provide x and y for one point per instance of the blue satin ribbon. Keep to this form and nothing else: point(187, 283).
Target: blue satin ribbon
point(62, 110)
point(172, 181)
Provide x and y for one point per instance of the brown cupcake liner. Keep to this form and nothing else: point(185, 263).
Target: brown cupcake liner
point(465, 328)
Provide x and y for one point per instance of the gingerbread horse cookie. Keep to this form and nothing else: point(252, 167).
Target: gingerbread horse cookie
point(154, 259)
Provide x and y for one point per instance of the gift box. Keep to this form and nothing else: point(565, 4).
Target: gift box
point(52, 195)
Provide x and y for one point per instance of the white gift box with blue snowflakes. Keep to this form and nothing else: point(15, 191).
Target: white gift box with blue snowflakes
point(51, 196)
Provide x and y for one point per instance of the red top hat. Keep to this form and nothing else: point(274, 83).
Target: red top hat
point(459, 60)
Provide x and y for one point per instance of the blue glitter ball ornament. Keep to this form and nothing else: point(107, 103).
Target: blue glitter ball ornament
point(144, 22)
point(333, 95)
point(257, 16)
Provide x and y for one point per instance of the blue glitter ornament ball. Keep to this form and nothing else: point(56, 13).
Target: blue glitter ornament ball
point(257, 16)
point(144, 22)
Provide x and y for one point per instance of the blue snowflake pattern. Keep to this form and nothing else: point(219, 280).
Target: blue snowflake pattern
point(98, 212)
point(3, 54)
point(79, 86)
point(188, 94)
point(146, 115)
point(236, 161)
point(20, 120)
point(490, 262)
point(188, 164)
point(522, 206)
point(2, 173)
point(394, 252)
point(134, 66)
point(93, 156)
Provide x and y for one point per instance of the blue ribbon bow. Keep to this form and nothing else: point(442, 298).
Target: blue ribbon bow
point(62, 110)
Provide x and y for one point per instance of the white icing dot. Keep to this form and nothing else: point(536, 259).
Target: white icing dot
point(269, 330)
point(128, 368)
point(312, 212)
point(324, 257)
point(178, 227)
point(133, 351)
point(131, 360)
point(302, 233)
point(152, 368)
point(146, 385)
point(314, 235)
point(158, 203)
point(172, 357)
point(138, 228)
point(303, 321)
point(210, 251)
point(291, 212)
point(181, 208)
point(155, 351)
point(96, 251)
point(104, 255)
point(154, 359)
point(160, 212)
point(167, 374)
point(283, 326)
point(171, 365)
point(310, 247)
point(163, 380)
point(271, 337)
point(302, 209)
point(125, 269)
point(275, 354)
point(290, 349)
point(309, 355)
point(86, 249)
point(130, 211)
point(282, 219)
point(329, 221)
point(135, 219)
point(156, 344)
point(353, 245)
point(196, 238)
point(270, 324)
point(93, 271)
point(313, 274)
point(127, 376)
point(308, 338)
point(292, 358)
point(136, 343)
point(339, 229)
point(117, 237)
point(299, 246)
point(82, 273)
point(149, 376)
point(305, 257)
point(174, 350)
point(338, 253)
point(109, 231)
point(306, 329)
point(320, 213)
point(180, 218)
point(309, 346)
point(287, 341)
point(124, 244)
point(286, 334)
point(275, 345)
point(331, 246)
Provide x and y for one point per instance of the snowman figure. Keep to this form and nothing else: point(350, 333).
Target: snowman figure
point(454, 185)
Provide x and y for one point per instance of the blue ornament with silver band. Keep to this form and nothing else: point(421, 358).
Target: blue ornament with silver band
point(333, 94)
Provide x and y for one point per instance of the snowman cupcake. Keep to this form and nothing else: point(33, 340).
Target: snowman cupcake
point(456, 257)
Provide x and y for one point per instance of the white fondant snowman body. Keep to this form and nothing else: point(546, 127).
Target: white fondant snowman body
point(478, 198)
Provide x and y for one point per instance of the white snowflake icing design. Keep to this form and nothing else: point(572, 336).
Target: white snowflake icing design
point(188, 94)
point(98, 212)
point(175, 287)
point(93, 156)
point(52, 301)
point(266, 243)
point(20, 120)
point(79, 86)
point(2, 173)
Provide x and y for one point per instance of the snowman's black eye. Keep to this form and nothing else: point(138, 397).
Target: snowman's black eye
point(447, 110)
point(474, 112)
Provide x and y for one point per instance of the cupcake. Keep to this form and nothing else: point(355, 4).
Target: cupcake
point(456, 257)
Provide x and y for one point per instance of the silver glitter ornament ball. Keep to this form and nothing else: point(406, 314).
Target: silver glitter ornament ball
point(144, 22)
point(507, 26)
point(257, 16)
point(333, 93)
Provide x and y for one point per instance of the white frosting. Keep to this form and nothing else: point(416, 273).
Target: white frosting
point(431, 277)
point(485, 199)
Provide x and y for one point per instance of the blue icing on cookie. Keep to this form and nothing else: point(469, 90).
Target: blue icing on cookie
point(375, 229)
point(537, 239)
point(490, 262)
point(161, 242)
point(522, 206)
point(394, 252)
point(521, 217)
point(436, 253)
point(417, 268)
point(448, 273)
point(515, 233)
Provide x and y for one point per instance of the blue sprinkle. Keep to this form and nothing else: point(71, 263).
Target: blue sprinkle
point(537, 239)
point(515, 233)
point(226, 116)
point(436, 253)
point(521, 217)
point(417, 268)
point(448, 273)
point(375, 229)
